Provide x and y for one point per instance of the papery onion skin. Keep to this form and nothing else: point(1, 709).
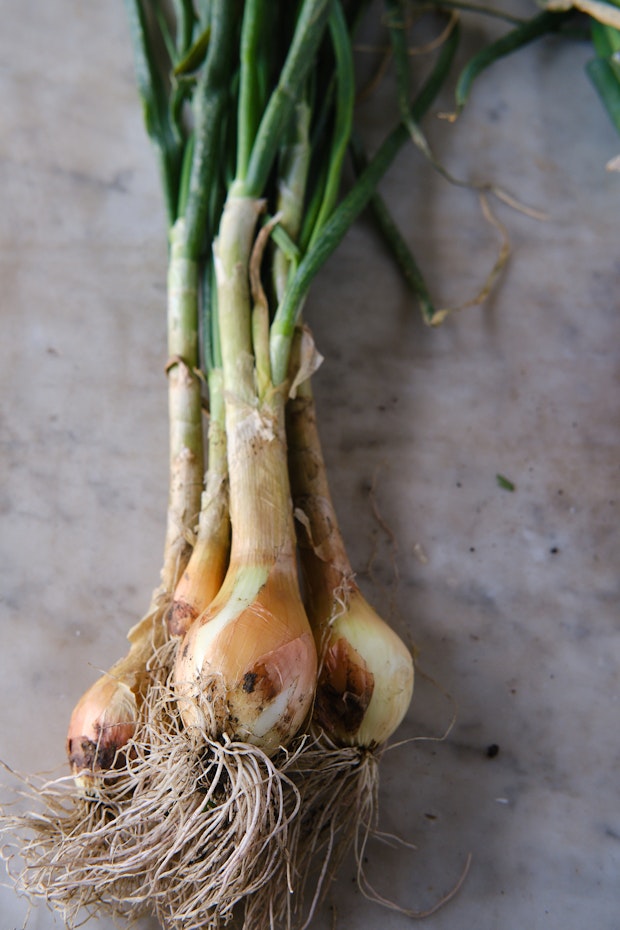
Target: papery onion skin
point(249, 674)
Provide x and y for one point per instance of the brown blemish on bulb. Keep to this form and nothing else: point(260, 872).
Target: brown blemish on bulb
point(102, 754)
point(82, 755)
point(344, 690)
point(261, 682)
point(179, 617)
point(102, 723)
point(260, 661)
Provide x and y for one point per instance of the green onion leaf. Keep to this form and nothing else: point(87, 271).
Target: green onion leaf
point(543, 24)
point(155, 106)
point(195, 55)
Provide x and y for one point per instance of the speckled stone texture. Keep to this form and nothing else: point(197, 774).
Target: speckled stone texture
point(511, 596)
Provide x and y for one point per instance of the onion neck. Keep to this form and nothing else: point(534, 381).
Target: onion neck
point(325, 563)
point(260, 500)
point(232, 250)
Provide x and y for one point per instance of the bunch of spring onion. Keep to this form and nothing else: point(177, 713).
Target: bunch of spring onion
point(231, 757)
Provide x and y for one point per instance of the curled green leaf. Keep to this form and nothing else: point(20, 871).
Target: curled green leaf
point(540, 25)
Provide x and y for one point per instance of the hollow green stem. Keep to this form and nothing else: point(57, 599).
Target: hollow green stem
point(307, 36)
point(155, 108)
point(283, 326)
point(284, 242)
point(211, 355)
point(343, 119)
point(398, 39)
point(292, 180)
point(248, 107)
point(210, 100)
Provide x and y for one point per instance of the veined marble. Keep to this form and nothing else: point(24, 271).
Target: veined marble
point(511, 597)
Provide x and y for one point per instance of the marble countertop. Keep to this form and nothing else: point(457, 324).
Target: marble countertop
point(511, 597)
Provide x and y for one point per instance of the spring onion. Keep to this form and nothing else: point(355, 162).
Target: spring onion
point(232, 756)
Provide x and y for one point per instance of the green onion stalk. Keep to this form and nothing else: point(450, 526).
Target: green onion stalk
point(249, 704)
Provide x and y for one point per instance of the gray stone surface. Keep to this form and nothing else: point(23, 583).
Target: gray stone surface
point(510, 597)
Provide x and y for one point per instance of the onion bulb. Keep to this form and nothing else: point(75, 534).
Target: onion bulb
point(366, 678)
point(105, 717)
point(247, 667)
point(366, 672)
point(102, 722)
